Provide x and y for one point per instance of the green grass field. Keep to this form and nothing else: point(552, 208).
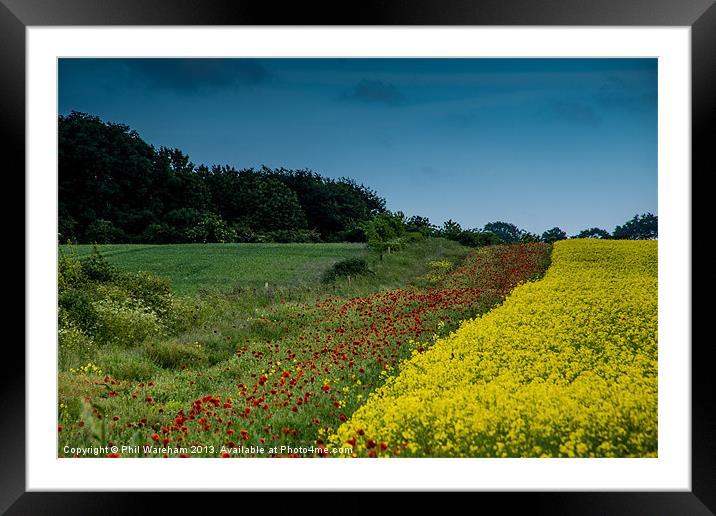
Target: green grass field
point(192, 267)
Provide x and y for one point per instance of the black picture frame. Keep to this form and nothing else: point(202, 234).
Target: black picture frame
point(700, 15)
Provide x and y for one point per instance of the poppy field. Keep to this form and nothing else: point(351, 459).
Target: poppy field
point(298, 372)
point(565, 367)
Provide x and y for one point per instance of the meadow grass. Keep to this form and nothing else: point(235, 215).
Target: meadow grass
point(194, 267)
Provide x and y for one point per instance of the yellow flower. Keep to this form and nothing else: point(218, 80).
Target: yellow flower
point(564, 367)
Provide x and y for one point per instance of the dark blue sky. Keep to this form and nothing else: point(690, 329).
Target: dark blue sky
point(536, 142)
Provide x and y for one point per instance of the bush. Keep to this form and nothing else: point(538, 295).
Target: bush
point(69, 272)
point(124, 324)
point(75, 306)
point(153, 291)
point(128, 365)
point(109, 306)
point(413, 236)
point(171, 355)
point(97, 268)
point(182, 315)
point(74, 345)
point(351, 267)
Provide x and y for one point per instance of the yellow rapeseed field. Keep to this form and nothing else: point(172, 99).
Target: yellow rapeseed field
point(565, 367)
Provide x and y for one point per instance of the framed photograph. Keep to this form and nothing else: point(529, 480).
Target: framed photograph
point(411, 249)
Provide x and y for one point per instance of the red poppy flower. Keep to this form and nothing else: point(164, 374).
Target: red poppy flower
point(155, 437)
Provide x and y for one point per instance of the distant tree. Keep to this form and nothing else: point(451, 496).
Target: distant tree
point(526, 237)
point(179, 183)
point(113, 186)
point(593, 233)
point(641, 227)
point(421, 225)
point(332, 207)
point(554, 234)
point(477, 238)
point(254, 199)
point(450, 230)
point(102, 231)
point(505, 231)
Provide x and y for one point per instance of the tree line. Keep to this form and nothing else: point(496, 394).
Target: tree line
point(390, 231)
point(116, 188)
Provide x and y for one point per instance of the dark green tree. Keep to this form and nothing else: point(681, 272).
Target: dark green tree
point(526, 237)
point(505, 231)
point(641, 227)
point(105, 172)
point(179, 183)
point(554, 234)
point(114, 187)
point(477, 238)
point(593, 233)
point(450, 230)
point(332, 207)
point(253, 199)
point(421, 225)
